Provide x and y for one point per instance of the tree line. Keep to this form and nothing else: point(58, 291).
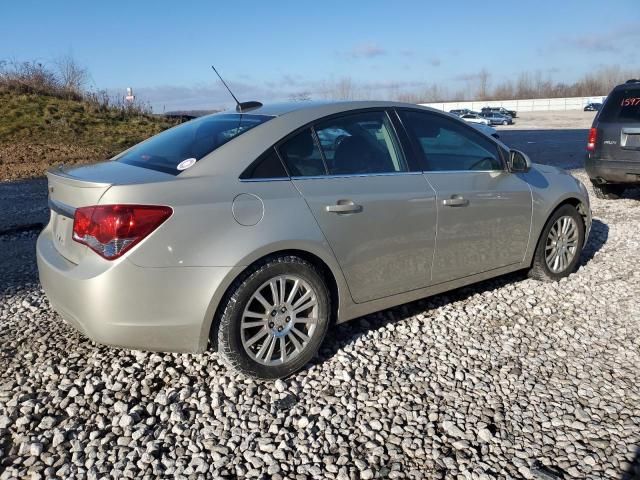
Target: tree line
point(477, 86)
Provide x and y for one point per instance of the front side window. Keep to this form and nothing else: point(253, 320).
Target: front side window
point(180, 147)
point(360, 143)
point(450, 146)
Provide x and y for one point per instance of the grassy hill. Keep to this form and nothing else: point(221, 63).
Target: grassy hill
point(39, 131)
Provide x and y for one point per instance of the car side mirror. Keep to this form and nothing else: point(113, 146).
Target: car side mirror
point(519, 162)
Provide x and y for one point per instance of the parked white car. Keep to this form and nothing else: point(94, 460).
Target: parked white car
point(473, 118)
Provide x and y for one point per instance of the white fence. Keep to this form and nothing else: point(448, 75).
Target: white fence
point(526, 105)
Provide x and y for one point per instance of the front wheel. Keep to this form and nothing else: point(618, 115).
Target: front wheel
point(504, 122)
point(559, 247)
point(275, 318)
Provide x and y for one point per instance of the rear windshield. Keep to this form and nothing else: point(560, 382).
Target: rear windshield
point(179, 148)
point(622, 106)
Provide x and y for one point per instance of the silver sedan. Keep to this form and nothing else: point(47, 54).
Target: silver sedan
point(253, 232)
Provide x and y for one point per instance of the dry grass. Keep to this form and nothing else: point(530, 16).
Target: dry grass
point(39, 131)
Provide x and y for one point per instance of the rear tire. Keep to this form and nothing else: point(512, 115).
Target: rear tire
point(252, 338)
point(608, 191)
point(560, 245)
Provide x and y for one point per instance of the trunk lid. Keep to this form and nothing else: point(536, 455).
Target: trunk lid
point(84, 186)
point(619, 142)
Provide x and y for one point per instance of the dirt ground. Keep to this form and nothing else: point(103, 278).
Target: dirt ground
point(571, 119)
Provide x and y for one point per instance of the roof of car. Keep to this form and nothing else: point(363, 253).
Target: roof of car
point(286, 118)
point(279, 109)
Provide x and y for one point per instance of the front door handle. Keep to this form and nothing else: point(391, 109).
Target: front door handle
point(344, 206)
point(455, 201)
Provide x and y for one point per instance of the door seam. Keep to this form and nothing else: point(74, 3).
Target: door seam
point(335, 258)
point(526, 251)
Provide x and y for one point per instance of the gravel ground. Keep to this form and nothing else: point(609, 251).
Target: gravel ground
point(510, 378)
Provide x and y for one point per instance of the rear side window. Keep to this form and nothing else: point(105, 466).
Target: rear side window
point(448, 145)
point(180, 147)
point(302, 156)
point(622, 106)
point(360, 143)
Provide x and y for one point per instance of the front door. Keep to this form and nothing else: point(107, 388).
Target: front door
point(484, 211)
point(483, 222)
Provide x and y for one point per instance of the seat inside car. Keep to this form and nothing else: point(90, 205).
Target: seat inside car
point(355, 154)
point(302, 157)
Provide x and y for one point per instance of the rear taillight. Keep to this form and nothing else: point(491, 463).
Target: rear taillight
point(593, 137)
point(111, 230)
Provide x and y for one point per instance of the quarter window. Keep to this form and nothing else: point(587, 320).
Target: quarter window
point(267, 166)
point(360, 143)
point(450, 146)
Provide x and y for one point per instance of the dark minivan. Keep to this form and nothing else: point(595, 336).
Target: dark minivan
point(613, 146)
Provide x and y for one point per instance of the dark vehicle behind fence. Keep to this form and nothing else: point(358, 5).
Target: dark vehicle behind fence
point(592, 107)
point(500, 110)
point(613, 146)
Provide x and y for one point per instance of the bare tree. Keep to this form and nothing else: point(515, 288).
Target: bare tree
point(344, 89)
point(483, 84)
point(304, 96)
point(73, 76)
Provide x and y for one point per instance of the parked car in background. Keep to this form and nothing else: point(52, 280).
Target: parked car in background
point(461, 111)
point(497, 118)
point(252, 232)
point(613, 146)
point(486, 129)
point(501, 110)
point(474, 118)
point(592, 107)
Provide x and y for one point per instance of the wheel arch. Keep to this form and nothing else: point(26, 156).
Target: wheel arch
point(575, 202)
point(328, 268)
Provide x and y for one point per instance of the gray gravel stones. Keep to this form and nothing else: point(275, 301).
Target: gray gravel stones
point(510, 378)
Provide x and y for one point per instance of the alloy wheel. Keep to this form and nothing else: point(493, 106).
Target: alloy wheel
point(279, 320)
point(562, 244)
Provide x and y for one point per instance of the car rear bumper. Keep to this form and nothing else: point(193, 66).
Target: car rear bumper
point(609, 171)
point(120, 304)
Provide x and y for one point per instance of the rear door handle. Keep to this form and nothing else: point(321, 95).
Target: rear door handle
point(344, 206)
point(455, 201)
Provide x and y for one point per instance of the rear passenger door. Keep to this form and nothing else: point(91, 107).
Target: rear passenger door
point(484, 211)
point(376, 212)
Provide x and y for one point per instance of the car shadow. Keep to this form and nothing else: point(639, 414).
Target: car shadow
point(632, 193)
point(633, 471)
point(346, 333)
point(597, 238)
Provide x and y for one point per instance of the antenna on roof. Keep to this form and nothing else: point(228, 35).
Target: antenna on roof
point(240, 106)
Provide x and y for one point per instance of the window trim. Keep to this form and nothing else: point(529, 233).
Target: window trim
point(316, 141)
point(401, 138)
point(421, 156)
point(350, 175)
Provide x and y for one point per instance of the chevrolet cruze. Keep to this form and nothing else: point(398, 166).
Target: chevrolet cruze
point(253, 232)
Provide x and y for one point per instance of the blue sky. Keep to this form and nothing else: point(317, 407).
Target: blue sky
point(270, 50)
